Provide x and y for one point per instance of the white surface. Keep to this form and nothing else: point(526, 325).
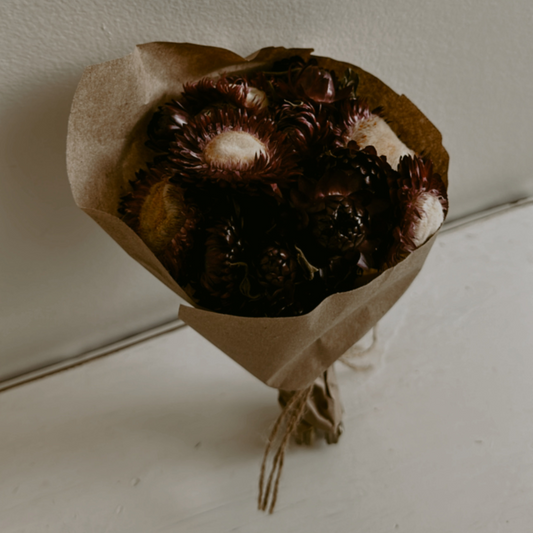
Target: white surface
point(66, 288)
point(167, 436)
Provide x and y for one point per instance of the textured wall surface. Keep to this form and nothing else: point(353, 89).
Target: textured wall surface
point(65, 287)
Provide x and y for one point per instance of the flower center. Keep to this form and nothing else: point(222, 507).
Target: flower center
point(431, 218)
point(233, 149)
point(161, 216)
point(374, 131)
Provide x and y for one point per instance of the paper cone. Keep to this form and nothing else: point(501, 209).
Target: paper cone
point(105, 147)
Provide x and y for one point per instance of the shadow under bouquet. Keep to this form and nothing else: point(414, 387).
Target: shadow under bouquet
point(289, 199)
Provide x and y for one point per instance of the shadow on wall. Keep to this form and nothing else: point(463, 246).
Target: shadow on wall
point(42, 232)
point(38, 202)
point(48, 243)
point(66, 288)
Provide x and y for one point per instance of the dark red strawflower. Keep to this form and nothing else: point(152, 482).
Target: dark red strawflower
point(421, 203)
point(160, 214)
point(164, 125)
point(223, 92)
point(200, 97)
point(352, 112)
point(348, 209)
point(233, 148)
point(368, 128)
point(308, 82)
point(315, 84)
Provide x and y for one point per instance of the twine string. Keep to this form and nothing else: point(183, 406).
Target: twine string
point(270, 441)
point(290, 416)
point(347, 358)
point(279, 458)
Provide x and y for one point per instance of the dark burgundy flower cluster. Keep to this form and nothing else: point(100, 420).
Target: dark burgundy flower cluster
point(268, 192)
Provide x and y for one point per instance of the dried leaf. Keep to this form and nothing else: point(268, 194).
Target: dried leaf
point(308, 268)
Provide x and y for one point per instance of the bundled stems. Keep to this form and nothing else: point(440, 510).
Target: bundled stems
point(291, 416)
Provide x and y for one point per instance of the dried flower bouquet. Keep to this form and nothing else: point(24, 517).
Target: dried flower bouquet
point(290, 199)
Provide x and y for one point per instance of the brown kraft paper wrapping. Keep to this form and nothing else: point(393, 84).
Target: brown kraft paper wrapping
point(105, 147)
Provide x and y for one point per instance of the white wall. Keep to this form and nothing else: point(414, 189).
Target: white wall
point(65, 287)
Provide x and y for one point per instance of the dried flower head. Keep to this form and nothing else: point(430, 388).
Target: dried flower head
point(367, 128)
point(420, 200)
point(159, 213)
point(223, 92)
point(164, 125)
point(348, 209)
point(232, 147)
point(200, 97)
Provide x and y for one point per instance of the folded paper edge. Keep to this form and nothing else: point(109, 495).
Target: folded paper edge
point(277, 378)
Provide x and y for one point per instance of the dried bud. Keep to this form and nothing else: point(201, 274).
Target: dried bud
point(316, 84)
point(165, 123)
point(359, 124)
point(256, 98)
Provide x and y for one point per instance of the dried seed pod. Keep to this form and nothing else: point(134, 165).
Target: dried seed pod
point(224, 279)
point(309, 127)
